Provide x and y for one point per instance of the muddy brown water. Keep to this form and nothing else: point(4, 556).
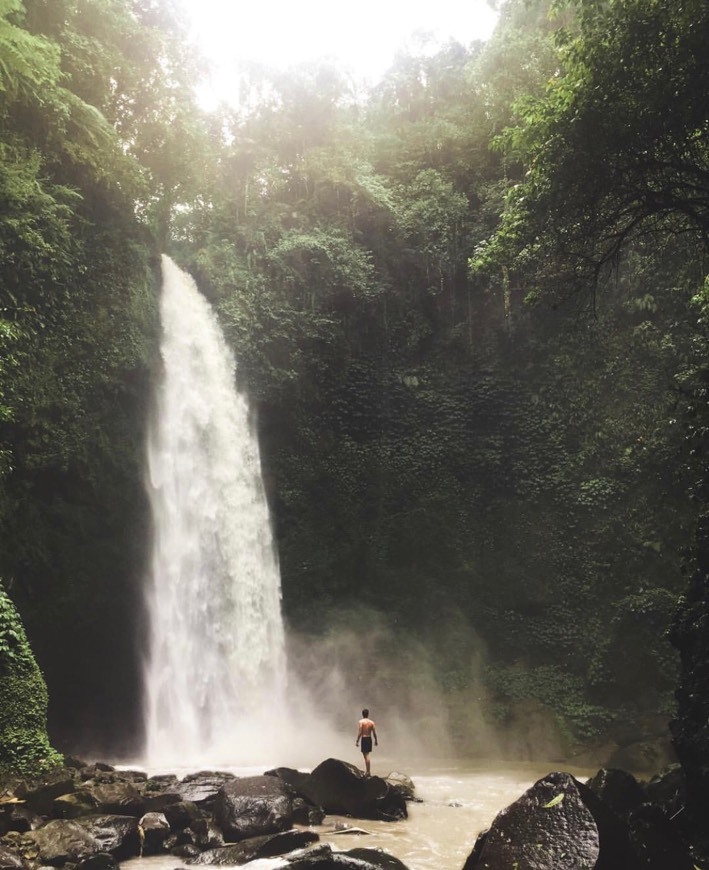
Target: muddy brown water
point(458, 801)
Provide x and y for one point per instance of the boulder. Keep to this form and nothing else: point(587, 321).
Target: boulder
point(618, 790)
point(61, 841)
point(17, 817)
point(101, 861)
point(668, 790)
point(257, 847)
point(178, 838)
point(402, 784)
point(206, 834)
point(39, 794)
point(202, 788)
point(557, 824)
point(181, 815)
point(162, 783)
point(657, 842)
point(156, 803)
point(120, 798)
point(188, 851)
point(339, 787)
point(10, 860)
point(116, 834)
point(305, 813)
point(377, 858)
point(324, 858)
point(74, 804)
point(253, 806)
point(153, 829)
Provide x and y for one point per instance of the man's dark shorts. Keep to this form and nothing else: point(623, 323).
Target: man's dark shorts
point(366, 745)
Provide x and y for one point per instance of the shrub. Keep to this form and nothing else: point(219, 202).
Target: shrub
point(24, 744)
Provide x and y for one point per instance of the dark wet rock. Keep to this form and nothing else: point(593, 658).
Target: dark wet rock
point(202, 788)
point(17, 817)
point(402, 784)
point(121, 798)
point(377, 858)
point(61, 841)
point(341, 788)
point(206, 835)
point(74, 763)
point(39, 794)
point(187, 851)
point(557, 824)
point(102, 861)
point(257, 847)
point(156, 803)
point(74, 804)
point(181, 815)
point(253, 806)
point(618, 789)
point(118, 797)
point(159, 784)
point(9, 859)
point(668, 790)
point(323, 858)
point(138, 776)
point(155, 830)
point(114, 833)
point(178, 838)
point(657, 841)
point(305, 813)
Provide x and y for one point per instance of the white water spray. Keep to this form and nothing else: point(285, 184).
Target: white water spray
point(215, 677)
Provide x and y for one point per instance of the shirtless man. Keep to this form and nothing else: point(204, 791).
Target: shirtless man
point(366, 731)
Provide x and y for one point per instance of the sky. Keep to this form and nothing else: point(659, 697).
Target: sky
point(362, 37)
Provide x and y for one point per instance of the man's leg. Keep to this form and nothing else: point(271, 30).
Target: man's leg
point(366, 762)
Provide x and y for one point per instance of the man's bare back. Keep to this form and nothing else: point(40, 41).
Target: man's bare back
point(366, 728)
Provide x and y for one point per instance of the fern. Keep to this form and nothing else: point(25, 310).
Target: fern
point(29, 65)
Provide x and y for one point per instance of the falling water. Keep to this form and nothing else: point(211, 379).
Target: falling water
point(216, 665)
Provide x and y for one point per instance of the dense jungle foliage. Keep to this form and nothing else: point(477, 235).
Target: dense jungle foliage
point(24, 746)
point(469, 306)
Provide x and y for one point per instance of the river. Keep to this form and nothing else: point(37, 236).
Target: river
point(458, 800)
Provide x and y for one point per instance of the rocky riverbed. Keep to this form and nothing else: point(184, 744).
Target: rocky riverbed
point(93, 816)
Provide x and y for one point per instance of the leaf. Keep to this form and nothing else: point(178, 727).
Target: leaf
point(554, 801)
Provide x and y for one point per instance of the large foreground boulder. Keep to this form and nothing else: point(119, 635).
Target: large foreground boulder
point(557, 824)
point(341, 788)
point(253, 806)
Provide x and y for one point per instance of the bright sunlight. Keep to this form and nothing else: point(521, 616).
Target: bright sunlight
point(362, 38)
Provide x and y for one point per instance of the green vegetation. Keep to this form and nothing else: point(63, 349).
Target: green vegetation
point(24, 745)
point(437, 449)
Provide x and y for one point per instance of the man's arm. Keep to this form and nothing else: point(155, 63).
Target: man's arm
point(374, 733)
point(359, 734)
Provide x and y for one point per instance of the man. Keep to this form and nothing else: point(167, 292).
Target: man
point(366, 731)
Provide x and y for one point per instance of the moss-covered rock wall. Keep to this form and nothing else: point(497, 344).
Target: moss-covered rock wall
point(24, 744)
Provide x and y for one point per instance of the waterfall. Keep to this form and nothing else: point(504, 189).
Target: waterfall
point(215, 672)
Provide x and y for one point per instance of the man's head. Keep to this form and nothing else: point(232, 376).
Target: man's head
point(365, 713)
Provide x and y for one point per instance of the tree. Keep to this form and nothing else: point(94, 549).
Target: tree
point(616, 148)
